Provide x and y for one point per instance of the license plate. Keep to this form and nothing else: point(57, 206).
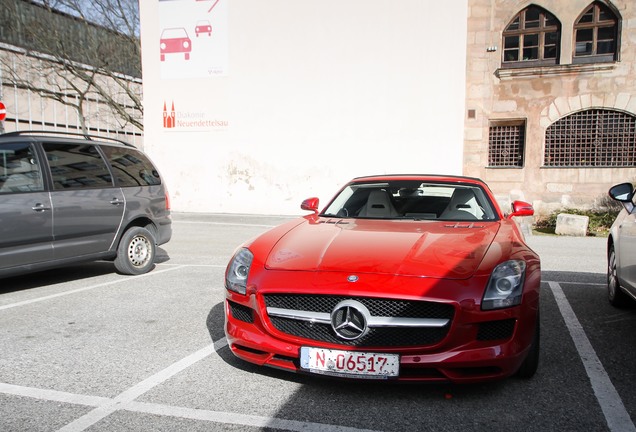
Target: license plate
point(351, 364)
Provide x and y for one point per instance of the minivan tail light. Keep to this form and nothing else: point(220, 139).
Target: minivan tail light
point(167, 199)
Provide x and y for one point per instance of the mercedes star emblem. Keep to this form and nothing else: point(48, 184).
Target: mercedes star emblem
point(349, 319)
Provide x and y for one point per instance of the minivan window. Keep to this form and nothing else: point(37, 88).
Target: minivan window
point(19, 169)
point(77, 166)
point(131, 167)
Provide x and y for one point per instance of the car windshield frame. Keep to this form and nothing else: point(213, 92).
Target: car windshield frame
point(416, 199)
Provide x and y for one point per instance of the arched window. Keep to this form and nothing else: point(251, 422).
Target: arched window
point(596, 35)
point(531, 39)
point(592, 138)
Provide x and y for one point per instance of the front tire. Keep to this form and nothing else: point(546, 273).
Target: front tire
point(531, 363)
point(136, 252)
point(615, 294)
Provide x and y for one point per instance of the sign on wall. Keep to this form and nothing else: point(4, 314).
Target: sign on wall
point(319, 91)
point(193, 38)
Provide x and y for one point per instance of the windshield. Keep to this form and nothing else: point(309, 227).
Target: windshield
point(412, 200)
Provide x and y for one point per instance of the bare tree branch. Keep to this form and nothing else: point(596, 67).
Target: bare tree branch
point(91, 51)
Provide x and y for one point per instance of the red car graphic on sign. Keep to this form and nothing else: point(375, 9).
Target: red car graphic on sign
point(203, 27)
point(175, 40)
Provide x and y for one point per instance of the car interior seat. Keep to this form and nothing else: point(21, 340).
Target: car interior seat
point(462, 206)
point(379, 205)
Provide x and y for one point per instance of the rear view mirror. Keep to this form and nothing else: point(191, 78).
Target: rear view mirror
point(623, 192)
point(521, 208)
point(310, 204)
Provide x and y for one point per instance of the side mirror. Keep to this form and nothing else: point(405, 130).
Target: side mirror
point(310, 204)
point(521, 208)
point(623, 192)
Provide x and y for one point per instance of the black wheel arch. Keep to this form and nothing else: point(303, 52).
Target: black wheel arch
point(141, 222)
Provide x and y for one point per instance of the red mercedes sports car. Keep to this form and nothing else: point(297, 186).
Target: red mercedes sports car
point(405, 277)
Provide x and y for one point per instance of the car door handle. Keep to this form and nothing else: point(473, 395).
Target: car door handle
point(116, 201)
point(39, 207)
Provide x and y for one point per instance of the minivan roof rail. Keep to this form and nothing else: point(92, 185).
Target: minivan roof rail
point(76, 134)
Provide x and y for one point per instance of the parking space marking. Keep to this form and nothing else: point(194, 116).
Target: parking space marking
point(604, 285)
point(126, 401)
point(121, 400)
point(616, 415)
point(65, 293)
point(52, 395)
point(228, 224)
point(239, 419)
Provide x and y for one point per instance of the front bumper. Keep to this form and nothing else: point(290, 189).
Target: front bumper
point(477, 346)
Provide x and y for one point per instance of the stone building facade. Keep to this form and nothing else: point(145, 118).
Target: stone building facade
point(551, 99)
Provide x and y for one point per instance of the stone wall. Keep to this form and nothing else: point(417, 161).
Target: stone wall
point(541, 96)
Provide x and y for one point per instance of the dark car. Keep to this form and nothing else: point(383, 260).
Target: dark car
point(621, 249)
point(66, 198)
point(405, 277)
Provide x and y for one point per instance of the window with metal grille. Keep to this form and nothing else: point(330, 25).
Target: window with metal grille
point(592, 138)
point(506, 143)
point(596, 35)
point(531, 39)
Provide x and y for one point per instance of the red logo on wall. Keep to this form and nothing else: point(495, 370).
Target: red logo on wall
point(168, 117)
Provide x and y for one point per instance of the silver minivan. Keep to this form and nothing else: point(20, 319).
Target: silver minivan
point(66, 198)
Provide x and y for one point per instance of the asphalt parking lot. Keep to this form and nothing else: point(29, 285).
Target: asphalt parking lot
point(86, 349)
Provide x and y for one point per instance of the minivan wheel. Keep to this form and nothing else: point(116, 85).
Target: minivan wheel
point(136, 252)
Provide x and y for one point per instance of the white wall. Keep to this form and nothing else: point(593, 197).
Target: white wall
point(292, 98)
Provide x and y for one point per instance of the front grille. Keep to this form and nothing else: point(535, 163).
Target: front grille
point(376, 337)
point(377, 307)
point(496, 330)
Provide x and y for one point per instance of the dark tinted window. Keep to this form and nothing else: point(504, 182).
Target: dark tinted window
point(131, 167)
point(19, 169)
point(77, 166)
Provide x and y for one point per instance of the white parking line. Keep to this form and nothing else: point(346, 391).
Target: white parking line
point(227, 224)
point(194, 265)
point(52, 395)
point(617, 417)
point(238, 419)
point(126, 401)
point(65, 293)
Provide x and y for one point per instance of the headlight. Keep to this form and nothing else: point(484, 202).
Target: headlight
point(238, 270)
point(505, 286)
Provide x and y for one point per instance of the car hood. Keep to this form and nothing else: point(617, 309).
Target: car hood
point(451, 250)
